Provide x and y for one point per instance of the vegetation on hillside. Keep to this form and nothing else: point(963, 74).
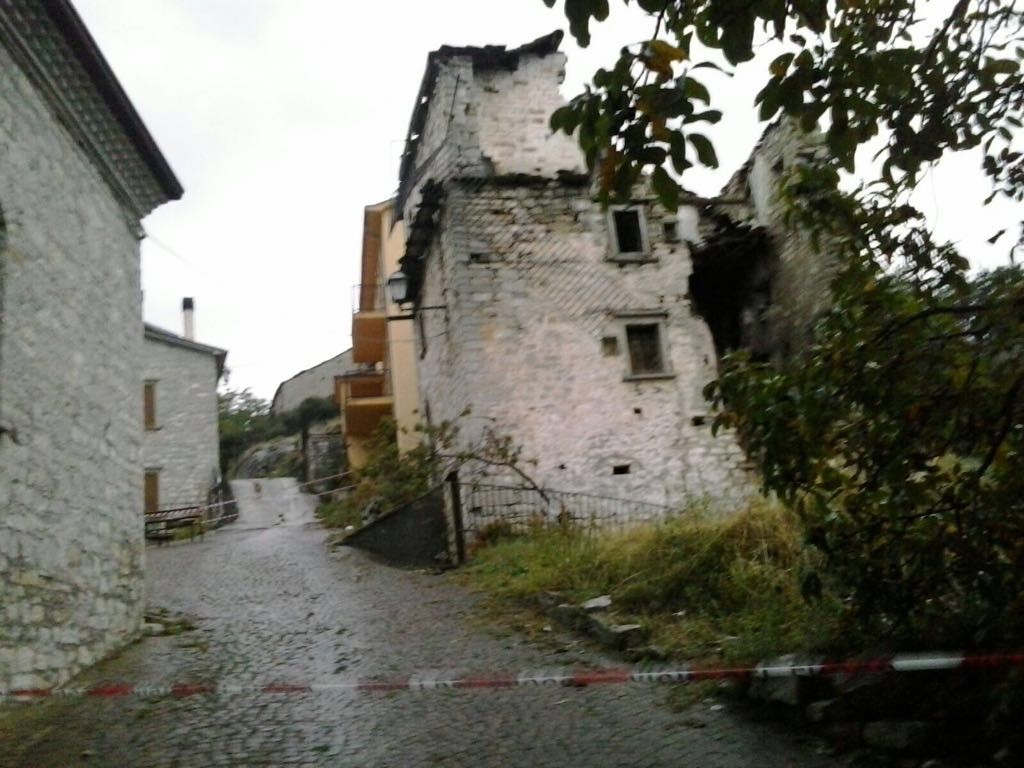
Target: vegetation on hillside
point(245, 420)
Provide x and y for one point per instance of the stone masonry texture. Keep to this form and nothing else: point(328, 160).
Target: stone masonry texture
point(532, 298)
point(71, 544)
point(271, 603)
point(183, 447)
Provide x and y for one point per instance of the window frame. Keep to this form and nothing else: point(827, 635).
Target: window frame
point(615, 253)
point(658, 319)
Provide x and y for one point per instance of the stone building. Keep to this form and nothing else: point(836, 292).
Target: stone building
point(317, 381)
point(78, 172)
point(563, 326)
point(180, 449)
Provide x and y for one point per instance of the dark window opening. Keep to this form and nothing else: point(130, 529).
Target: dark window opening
point(628, 233)
point(644, 343)
point(609, 346)
point(698, 421)
point(620, 469)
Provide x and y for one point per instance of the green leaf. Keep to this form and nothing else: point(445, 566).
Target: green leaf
point(695, 90)
point(705, 149)
point(666, 188)
point(677, 152)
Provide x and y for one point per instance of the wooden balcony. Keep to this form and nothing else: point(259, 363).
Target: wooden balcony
point(365, 399)
point(369, 324)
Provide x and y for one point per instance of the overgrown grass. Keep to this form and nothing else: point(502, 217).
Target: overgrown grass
point(731, 589)
point(338, 514)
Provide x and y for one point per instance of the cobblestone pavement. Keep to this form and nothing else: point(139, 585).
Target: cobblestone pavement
point(273, 603)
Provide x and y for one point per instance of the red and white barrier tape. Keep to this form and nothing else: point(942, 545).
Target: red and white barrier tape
point(910, 662)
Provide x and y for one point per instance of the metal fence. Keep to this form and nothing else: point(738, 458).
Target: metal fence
point(519, 509)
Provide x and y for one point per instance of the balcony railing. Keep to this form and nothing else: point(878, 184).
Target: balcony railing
point(365, 398)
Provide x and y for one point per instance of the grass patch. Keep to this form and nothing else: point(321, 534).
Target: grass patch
point(729, 589)
point(339, 514)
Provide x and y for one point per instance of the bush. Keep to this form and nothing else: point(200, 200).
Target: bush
point(899, 436)
point(387, 480)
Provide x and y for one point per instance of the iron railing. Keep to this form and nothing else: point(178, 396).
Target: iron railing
point(520, 509)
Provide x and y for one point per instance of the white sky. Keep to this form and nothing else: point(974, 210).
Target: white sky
point(284, 118)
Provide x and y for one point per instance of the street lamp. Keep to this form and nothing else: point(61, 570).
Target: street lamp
point(398, 287)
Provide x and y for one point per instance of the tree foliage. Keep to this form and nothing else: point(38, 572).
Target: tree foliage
point(245, 420)
point(898, 433)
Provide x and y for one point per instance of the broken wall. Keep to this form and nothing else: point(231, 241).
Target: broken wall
point(798, 274)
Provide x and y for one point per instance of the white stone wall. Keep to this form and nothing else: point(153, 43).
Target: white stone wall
point(512, 110)
point(184, 446)
point(317, 381)
point(71, 538)
point(488, 121)
point(530, 293)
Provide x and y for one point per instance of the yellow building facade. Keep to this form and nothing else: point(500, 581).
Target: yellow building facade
point(383, 382)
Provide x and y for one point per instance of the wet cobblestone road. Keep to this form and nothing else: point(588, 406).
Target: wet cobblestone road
point(272, 603)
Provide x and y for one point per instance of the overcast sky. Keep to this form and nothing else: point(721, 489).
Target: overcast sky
point(284, 118)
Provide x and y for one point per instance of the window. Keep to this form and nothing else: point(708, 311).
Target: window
point(610, 346)
point(645, 353)
point(628, 234)
point(152, 491)
point(149, 405)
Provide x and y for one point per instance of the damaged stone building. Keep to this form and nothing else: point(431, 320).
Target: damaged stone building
point(78, 172)
point(585, 335)
point(756, 281)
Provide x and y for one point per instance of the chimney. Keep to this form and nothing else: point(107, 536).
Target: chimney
point(187, 307)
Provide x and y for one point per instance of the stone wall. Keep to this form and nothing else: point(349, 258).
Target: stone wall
point(183, 447)
point(486, 120)
point(533, 342)
point(71, 544)
point(317, 381)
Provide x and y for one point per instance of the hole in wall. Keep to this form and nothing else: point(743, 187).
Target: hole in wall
point(620, 469)
point(699, 421)
point(610, 346)
point(638, 411)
